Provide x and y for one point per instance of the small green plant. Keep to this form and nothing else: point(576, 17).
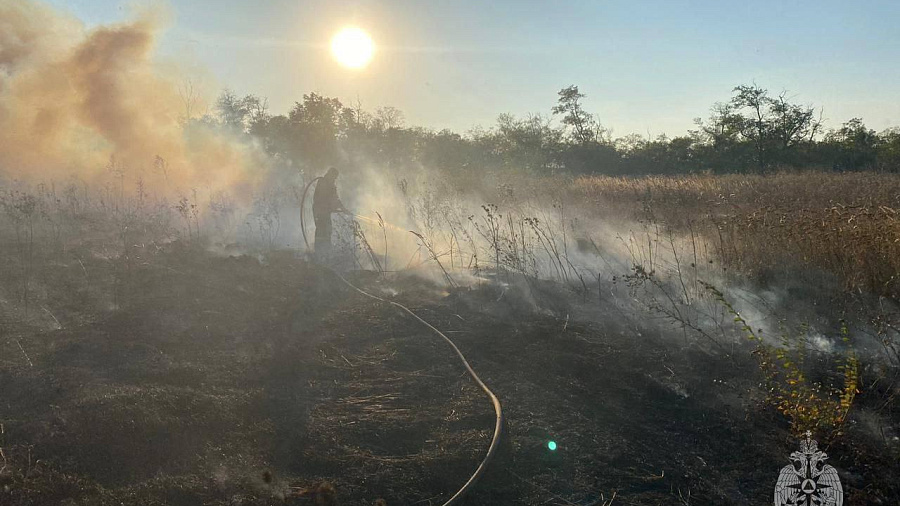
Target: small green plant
point(807, 404)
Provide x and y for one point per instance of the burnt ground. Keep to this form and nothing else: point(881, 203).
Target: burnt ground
point(241, 380)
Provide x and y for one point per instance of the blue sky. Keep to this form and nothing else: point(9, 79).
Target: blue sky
point(646, 67)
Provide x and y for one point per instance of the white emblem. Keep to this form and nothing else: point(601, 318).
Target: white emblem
point(808, 481)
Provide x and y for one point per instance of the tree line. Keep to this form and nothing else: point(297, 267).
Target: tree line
point(755, 131)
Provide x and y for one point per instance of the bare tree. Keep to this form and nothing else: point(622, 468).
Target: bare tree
point(389, 117)
point(190, 99)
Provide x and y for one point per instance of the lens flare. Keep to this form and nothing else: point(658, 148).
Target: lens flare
point(352, 48)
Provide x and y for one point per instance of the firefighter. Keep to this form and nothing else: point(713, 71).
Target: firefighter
point(325, 202)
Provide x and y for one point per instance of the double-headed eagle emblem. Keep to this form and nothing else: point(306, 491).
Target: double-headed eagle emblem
point(808, 481)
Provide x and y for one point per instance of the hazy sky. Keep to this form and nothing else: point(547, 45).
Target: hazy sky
point(648, 66)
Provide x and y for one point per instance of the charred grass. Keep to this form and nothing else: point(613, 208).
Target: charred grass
point(240, 380)
point(137, 368)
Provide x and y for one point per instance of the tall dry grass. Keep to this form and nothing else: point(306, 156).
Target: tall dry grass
point(847, 224)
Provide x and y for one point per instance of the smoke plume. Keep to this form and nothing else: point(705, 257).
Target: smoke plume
point(87, 102)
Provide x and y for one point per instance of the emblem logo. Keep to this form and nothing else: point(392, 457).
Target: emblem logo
point(808, 480)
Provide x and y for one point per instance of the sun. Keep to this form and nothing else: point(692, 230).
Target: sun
point(352, 48)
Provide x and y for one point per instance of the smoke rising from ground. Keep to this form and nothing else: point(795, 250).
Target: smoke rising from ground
point(85, 102)
point(96, 104)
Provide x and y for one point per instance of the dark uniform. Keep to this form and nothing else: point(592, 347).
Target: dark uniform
point(325, 202)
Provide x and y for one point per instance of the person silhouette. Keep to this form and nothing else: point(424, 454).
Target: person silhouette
point(325, 203)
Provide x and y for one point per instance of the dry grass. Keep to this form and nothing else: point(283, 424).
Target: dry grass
point(845, 224)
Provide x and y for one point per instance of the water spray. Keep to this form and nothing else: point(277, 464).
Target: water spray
point(381, 223)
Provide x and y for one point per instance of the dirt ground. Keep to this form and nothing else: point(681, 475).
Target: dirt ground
point(246, 380)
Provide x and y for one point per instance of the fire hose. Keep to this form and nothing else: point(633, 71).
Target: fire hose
point(498, 410)
point(302, 207)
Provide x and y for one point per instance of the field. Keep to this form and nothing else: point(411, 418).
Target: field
point(144, 363)
point(845, 225)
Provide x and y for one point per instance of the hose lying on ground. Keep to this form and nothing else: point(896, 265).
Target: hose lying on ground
point(498, 411)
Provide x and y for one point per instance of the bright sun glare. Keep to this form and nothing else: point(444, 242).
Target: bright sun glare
point(352, 48)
